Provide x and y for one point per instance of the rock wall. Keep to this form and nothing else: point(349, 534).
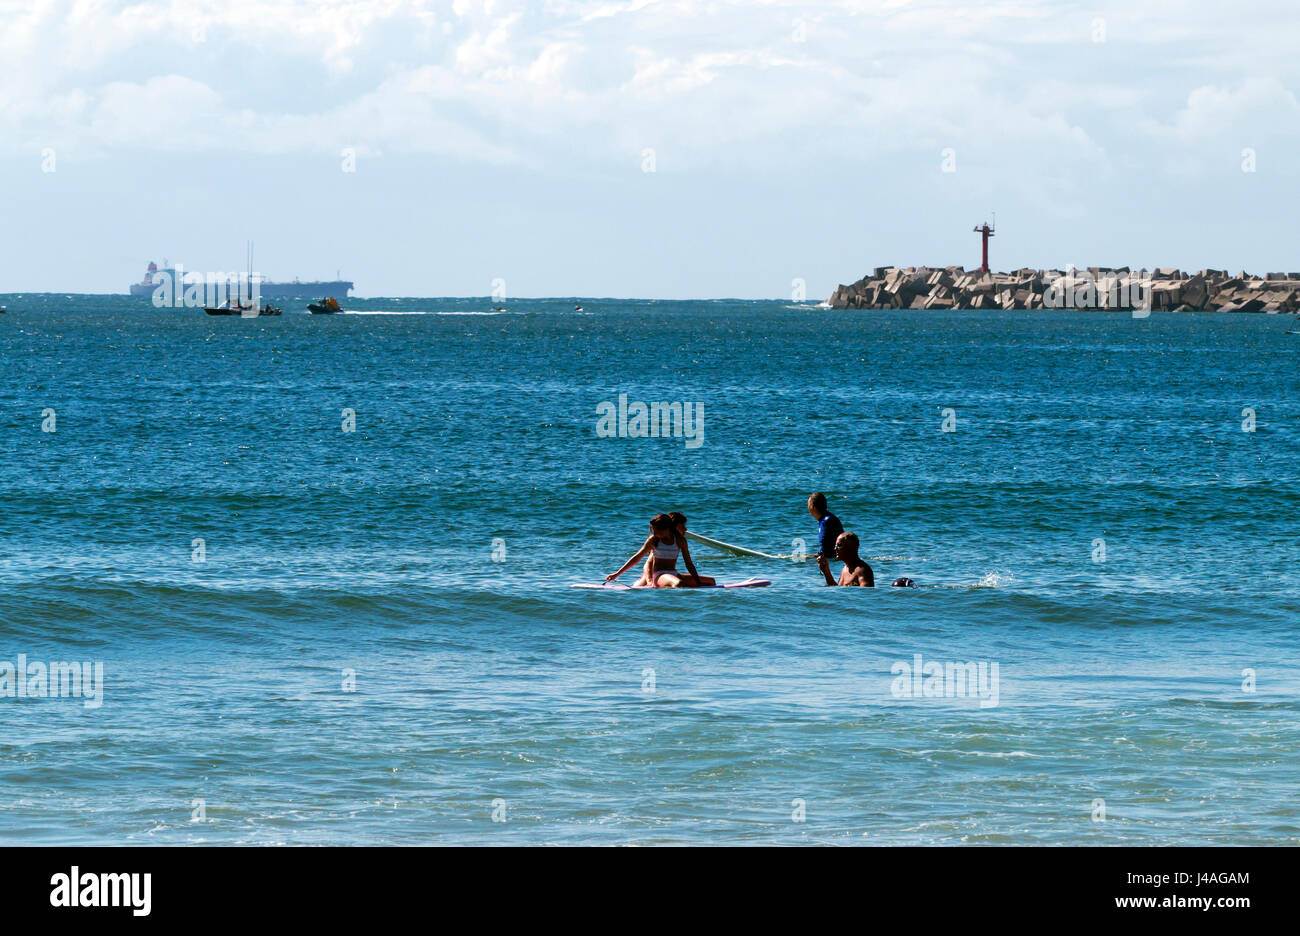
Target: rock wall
point(1096, 287)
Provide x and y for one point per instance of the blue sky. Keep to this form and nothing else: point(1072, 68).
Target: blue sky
point(511, 140)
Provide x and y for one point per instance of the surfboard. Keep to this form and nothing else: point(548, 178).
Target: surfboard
point(728, 547)
point(617, 586)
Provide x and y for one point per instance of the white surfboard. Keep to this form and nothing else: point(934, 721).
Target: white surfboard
point(618, 586)
point(729, 548)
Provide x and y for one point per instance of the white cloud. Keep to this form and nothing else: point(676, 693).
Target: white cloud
point(1256, 105)
point(507, 80)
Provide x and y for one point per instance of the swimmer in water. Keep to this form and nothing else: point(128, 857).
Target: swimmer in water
point(856, 571)
point(828, 525)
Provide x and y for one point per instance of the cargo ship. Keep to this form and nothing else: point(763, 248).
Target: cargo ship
point(268, 289)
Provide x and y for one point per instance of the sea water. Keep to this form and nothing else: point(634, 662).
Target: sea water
point(323, 564)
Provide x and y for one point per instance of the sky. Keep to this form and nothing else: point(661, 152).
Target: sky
point(673, 149)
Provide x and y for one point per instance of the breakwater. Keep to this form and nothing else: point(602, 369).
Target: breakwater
point(1165, 288)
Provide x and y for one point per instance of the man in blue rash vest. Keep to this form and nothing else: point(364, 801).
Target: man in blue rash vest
point(828, 525)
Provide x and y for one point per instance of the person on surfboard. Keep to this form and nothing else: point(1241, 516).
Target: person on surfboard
point(679, 524)
point(663, 545)
point(679, 521)
point(856, 571)
point(828, 526)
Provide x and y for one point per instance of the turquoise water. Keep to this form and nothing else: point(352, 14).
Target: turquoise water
point(351, 664)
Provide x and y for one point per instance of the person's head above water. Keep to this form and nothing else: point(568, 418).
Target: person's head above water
point(846, 546)
point(817, 505)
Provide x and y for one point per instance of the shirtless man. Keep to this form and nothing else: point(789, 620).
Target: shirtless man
point(856, 571)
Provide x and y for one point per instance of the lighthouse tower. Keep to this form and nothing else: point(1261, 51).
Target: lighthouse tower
point(986, 231)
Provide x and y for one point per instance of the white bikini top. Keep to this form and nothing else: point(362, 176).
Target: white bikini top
point(662, 551)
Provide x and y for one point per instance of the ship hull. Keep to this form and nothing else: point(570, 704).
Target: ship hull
point(337, 289)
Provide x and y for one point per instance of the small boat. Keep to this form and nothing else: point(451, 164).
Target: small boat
point(227, 308)
point(326, 306)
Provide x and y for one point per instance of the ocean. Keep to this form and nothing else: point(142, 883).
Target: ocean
point(322, 567)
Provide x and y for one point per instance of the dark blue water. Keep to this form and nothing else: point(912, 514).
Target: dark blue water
point(380, 644)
